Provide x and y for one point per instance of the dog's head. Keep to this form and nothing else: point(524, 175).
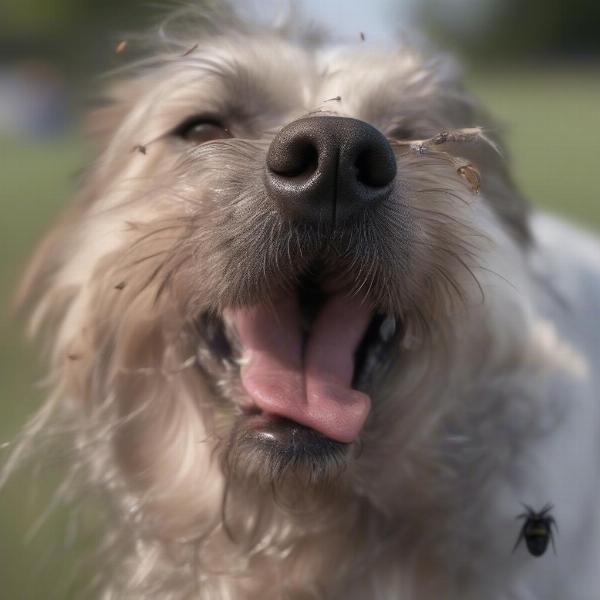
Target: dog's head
point(270, 229)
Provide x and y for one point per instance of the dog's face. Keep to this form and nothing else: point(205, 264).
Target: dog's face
point(269, 231)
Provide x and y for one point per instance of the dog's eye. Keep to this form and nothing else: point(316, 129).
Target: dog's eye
point(198, 130)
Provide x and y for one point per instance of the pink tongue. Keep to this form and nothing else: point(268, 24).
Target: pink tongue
point(311, 389)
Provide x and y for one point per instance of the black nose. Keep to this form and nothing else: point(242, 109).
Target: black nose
point(327, 169)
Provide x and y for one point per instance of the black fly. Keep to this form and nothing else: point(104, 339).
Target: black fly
point(537, 530)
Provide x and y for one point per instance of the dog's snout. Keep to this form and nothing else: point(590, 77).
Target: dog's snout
point(329, 168)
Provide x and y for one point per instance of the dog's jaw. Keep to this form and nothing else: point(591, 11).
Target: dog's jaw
point(258, 358)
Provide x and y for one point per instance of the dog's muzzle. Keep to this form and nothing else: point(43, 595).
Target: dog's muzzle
point(328, 169)
point(301, 346)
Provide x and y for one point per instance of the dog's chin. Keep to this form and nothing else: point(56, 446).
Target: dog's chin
point(271, 450)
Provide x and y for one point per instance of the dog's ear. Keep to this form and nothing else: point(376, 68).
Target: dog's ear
point(38, 293)
point(100, 125)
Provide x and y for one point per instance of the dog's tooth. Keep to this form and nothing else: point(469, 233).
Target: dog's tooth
point(387, 328)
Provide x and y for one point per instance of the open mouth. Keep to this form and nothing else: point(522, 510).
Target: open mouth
point(308, 356)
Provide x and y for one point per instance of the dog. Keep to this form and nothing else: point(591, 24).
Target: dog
point(307, 339)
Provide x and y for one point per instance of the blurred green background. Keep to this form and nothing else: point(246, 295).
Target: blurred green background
point(535, 64)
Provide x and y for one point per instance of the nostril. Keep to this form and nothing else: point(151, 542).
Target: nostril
point(300, 158)
point(307, 159)
point(364, 170)
point(374, 169)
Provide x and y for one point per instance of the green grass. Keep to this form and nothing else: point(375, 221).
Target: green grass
point(552, 123)
point(35, 181)
point(553, 128)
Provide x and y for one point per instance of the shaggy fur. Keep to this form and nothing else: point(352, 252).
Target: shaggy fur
point(485, 398)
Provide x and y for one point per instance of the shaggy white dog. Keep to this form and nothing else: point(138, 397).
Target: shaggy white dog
point(307, 340)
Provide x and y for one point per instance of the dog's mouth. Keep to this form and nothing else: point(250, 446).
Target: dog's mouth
point(307, 357)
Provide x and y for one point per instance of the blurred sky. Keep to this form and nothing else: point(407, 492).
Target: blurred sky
point(376, 18)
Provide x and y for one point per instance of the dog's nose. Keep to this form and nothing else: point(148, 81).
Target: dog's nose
point(327, 169)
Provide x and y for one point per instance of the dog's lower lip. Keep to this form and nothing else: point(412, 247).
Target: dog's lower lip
point(287, 436)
